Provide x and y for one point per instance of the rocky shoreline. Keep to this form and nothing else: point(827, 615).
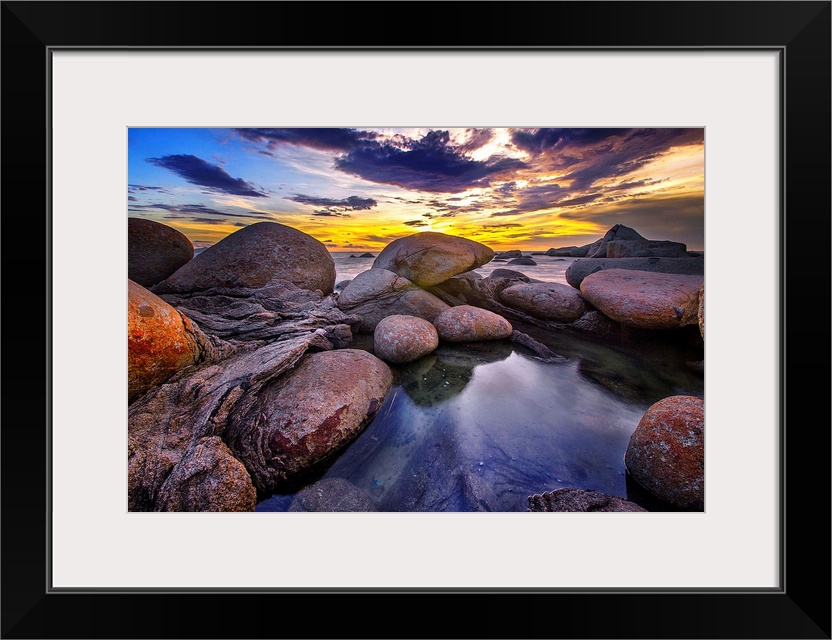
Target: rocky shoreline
point(242, 373)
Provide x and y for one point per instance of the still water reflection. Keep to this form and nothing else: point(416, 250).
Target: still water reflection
point(481, 427)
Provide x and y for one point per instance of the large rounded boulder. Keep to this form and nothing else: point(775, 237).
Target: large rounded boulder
point(154, 251)
point(547, 300)
point(255, 257)
point(465, 323)
point(160, 341)
point(304, 416)
point(580, 269)
point(666, 453)
point(377, 293)
point(643, 299)
point(400, 339)
point(429, 258)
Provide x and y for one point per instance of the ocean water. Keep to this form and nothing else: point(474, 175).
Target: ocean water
point(548, 269)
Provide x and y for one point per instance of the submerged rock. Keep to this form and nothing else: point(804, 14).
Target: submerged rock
point(208, 478)
point(254, 257)
point(524, 260)
point(160, 341)
point(644, 300)
point(154, 251)
point(580, 269)
point(295, 422)
point(400, 339)
point(569, 252)
point(470, 324)
point(377, 293)
point(512, 253)
point(666, 453)
point(547, 300)
point(429, 258)
point(332, 494)
point(580, 500)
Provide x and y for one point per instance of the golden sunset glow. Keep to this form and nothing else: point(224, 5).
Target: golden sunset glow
point(359, 189)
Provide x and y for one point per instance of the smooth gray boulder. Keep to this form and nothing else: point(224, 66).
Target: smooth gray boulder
point(155, 251)
point(580, 269)
point(377, 293)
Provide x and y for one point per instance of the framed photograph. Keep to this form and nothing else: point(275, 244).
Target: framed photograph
point(744, 89)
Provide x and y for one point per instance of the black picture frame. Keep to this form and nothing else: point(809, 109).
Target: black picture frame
point(800, 608)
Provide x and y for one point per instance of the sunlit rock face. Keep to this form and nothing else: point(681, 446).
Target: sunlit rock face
point(430, 258)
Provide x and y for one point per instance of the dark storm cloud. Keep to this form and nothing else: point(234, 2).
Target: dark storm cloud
point(536, 141)
point(134, 188)
point(132, 198)
point(197, 171)
point(330, 213)
point(430, 164)
point(602, 153)
point(476, 138)
point(322, 139)
point(353, 203)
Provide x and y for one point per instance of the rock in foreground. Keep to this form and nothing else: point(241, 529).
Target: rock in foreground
point(208, 478)
point(429, 258)
point(154, 251)
point(297, 421)
point(401, 339)
point(666, 453)
point(580, 500)
point(644, 300)
point(470, 324)
point(160, 341)
point(254, 257)
point(332, 494)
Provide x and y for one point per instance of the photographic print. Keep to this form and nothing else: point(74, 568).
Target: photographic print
point(416, 319)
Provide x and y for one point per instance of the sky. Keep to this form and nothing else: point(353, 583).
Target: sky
point(360, 189)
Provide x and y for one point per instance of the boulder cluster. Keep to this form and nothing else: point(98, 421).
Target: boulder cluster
point(241, 375)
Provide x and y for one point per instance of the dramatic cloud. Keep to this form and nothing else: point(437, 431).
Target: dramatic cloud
point(430, 164)
point(416, 223)
point(330, 213)
point(322, 139)
point(197, 171)
point(187, 210)
point(353, 203)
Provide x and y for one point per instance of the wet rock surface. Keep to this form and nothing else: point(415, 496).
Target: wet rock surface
point(583, 500)
point(546, 300)
point(580, 269)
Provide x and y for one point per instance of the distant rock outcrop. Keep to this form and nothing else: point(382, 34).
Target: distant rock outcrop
point(624, 242)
